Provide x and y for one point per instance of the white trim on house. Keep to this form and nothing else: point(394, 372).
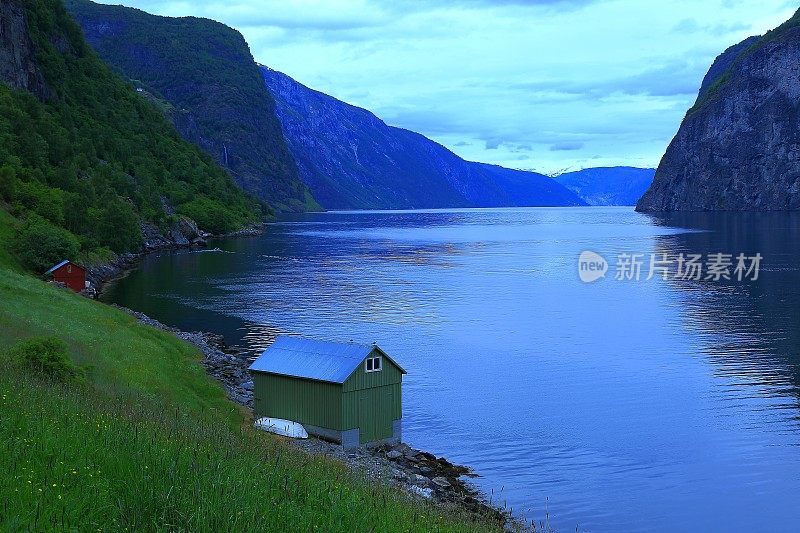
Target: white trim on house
point(373, 364)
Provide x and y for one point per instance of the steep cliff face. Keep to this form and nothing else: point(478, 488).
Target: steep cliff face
point(211, 88)
point(738, 148)
point(18, 67)
point(722, 63)
point(352, 159)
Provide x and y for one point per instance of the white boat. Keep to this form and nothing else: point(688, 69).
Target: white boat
point(287, 428)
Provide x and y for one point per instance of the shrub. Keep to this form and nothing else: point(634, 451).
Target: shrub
point(40, 245)
point(8, 181)
point(117, 226)
point(42, 200)
point(210, 215)
point(47, 357)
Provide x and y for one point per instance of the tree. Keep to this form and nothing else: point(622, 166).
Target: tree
point(40, 245)
point(117, 226)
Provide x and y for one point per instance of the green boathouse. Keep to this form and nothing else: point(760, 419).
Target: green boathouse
point(344, 392)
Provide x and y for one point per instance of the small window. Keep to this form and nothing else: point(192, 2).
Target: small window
point(69, 269)
point(373, 364)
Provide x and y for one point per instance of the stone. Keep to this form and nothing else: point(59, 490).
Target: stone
point(393, 455)
point(441, 482)
point(421, 491)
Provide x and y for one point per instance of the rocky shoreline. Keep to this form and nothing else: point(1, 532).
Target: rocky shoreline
point(416, 472)
point(184, 234)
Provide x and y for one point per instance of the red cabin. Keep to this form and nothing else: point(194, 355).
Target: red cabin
point(69, 274)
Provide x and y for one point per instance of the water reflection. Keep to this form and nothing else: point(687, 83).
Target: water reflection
point(623, 406)
point(751, 330)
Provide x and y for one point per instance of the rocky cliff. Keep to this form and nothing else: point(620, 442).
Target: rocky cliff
point(204, 76)
point(352, 159)
point(738, 148)
point(18, 67)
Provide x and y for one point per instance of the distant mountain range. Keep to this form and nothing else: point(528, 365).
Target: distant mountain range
point(352, 159)
point(738, 147)
point(608, 185)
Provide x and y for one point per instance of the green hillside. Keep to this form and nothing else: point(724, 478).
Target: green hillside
point(217, 100)
point(84, 162)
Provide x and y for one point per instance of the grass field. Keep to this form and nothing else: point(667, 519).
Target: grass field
point(150, 443)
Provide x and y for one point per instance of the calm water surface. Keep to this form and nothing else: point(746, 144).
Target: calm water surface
point(614, 406)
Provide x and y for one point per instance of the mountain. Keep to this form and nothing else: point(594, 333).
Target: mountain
point(738, 148)
point(352, 160)
point(722, 63)
point(86, 163)
point(608, 185)
point(203, 75)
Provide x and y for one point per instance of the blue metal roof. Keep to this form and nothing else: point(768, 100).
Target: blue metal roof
point(312, 359)
point(61, 264)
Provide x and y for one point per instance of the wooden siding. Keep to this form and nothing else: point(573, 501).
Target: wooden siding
point(300, 400)
point(388, 406)
point(361, 379)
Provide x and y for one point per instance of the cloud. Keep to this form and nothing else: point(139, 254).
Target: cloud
point(689, 26)
point(493, 144)
point(566, 146)
point(680, 76)
point(558, 81)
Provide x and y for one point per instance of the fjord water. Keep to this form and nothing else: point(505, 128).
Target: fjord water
point(646, 405)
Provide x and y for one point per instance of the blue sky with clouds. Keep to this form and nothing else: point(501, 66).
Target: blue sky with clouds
point(543, 84)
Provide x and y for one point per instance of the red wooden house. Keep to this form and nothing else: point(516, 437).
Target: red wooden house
point(70, 275)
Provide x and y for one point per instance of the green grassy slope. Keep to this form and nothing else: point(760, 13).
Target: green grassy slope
point(151, 443)
point(125, 357)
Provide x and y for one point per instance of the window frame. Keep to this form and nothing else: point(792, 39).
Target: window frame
point(371, 361)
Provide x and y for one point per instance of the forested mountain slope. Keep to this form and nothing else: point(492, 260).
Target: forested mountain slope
point(84, 159)
point(203, 74)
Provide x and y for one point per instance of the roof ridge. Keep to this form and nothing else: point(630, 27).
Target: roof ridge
point(62, 263)
point(315, 359)
point(325, 341)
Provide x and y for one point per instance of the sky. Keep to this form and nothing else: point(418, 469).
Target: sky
point(545, 85)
